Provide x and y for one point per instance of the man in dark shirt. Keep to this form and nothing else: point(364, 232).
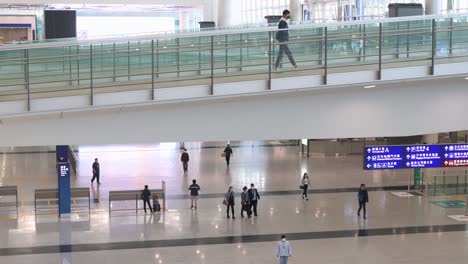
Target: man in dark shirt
point(185, 159)
point(253, 197)
point(363, 198)
point(194, 189)
point(146, 196)
point(282, 36)
point(95, 171)
point(227, 154)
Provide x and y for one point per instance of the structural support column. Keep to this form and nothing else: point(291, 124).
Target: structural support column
point(210, 10)
point(433, 7)
point(229, 13)
point(296, 10)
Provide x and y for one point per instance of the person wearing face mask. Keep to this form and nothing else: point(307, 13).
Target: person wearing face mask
point(229, 202)
point(283, 250)
point(282, 36)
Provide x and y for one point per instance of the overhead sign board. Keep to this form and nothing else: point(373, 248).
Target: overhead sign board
point(415, 156)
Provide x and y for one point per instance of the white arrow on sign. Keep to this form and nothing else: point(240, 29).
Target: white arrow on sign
point(408, 149)
point(369, 150)
point(408, 156)
point(407, 164)
point(368, 166)
point(369, 158)
point(446, 148)
point(446, 155)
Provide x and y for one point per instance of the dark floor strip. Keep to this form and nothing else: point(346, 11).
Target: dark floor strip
point(229, 240)
point(296, 192)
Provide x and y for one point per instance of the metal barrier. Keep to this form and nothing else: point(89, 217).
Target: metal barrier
point(135, 195)
point(10, 191)
point(53, 194)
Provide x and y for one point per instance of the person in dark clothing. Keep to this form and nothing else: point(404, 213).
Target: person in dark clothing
point(146, 197)
point(282, 36)
point(245, 202)
point(227, 154)
point(229, 201)
point(363, 198)
point(194, 189)
point(95, 171)
point(185, 159)
point(253, 197)
point(305, 186)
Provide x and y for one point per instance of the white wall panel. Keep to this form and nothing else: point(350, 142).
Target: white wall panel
point(397, 109)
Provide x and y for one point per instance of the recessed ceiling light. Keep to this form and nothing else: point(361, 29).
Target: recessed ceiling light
point(466, 78)
point(369, 86)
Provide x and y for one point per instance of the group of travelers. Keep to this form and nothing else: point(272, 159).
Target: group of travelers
point(249, 201)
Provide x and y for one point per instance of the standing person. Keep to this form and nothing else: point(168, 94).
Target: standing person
point(283, 250)
point(96, 172)
point(282, 36)
point(305, 185)
point(245, 202)
point(194, 192)
point(229, 202)
point(227, 154)
point(363, 198)
point(185, 159)
point(146, 196)
point(254, 197)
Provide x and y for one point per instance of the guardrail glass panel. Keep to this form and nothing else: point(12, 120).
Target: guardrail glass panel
point(165, 61)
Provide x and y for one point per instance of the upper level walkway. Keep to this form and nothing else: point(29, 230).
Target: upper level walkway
point(78, 74)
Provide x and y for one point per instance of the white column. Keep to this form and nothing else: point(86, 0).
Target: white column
point(433, 7)
point(295, 7)
point(229, 12)
point(210, 11)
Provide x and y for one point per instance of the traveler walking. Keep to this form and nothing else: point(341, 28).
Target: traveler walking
point(146, 196)
point(245, 202)
point(283, 250)
point(229, 202)
point(363, 198)
point(194, 193)
point(227, 154)
point(184, 158)
point(96, 171)
point(282, 36)
point(305, 186)
point(254, 197)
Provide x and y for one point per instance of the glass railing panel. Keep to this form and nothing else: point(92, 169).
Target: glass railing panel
point(232, 56)
point(13, 70)
point(307, 47)
point(255, 53)
point(351, 46)
point(140, 60)
point(460, 36)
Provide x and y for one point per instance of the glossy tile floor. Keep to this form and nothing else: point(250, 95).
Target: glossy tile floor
point(324, 229)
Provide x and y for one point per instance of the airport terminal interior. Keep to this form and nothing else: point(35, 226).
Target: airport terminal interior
point(234, 131)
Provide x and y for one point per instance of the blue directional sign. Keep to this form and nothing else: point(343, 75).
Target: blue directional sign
point(415, 156)
point(456, 155)
point(423, 156)
point(384, 157)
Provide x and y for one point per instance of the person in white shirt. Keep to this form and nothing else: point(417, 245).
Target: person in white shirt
point(283, 250)
point(305, 186)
